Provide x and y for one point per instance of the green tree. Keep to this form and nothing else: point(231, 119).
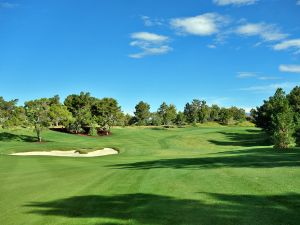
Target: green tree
point(282, 120)
point(106, 111)
point(167, 113)
point(214, 113)
point(37, 112)
point(203, 113)
point(80, 107)
point(60, 115)
point(142, 113)
point(191, 111)
point(180, 119)
point(238, 114)
point(225, 116)
point(10, 114)
point(155, 119)
point(294, 100)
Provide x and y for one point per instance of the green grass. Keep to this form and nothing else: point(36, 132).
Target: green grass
point(203, 176)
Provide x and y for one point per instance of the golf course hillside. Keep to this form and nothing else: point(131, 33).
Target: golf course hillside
point(207, 175)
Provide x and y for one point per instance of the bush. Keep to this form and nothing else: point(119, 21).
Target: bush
point(93, 131)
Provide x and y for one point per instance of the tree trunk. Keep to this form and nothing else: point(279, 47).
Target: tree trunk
point(38, 132)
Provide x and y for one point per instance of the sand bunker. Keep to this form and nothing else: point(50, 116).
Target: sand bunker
point(73, 153)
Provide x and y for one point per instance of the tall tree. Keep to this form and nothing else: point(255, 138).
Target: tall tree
point(80, 107)
point(180, 119)
point(59, 115)
point(106, 112)
point(294, 100)
point(214, 113)
point(37, 112)
point(191, 111)
point(225, 116)
point(142, 113)
point(203, 112)
point(282, 120)
point(167, 113)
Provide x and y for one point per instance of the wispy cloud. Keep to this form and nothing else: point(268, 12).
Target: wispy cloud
point(8, 5)
point(271, 87)
point(149, 22)
point(235, 2)
point(201, 25)
point(298, 2)
point(290, 68)
point(149, 44)
point(256, 75)
point(242, 75)
point(293, 44)
point(212, 46)
point(269, 78)
point(267, 32)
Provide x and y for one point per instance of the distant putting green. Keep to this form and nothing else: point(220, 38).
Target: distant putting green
point(185, 176)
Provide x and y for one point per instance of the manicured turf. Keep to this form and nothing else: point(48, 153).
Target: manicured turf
point(201, 176)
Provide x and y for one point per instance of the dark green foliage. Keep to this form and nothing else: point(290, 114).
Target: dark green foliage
point(106, 112)
point(276, 117)
point(180, 119)
point(282, 121)
point(294, 100)
point(142, 113)
point(237, 114)
point(225, 116)
point(80, 107)
point(214, 113)
point(167, 113)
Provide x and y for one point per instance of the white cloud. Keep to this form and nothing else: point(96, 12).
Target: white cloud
point(202, 25)
point(149, 44)
point(152, 51)
point(234, 2)
point(288, 44)
point(298, 2)
point(151, 37)
point(212, 46)
point(271, 87)
point(267, 32)
point(8, 5)
point(290, 68)
point(246, 74)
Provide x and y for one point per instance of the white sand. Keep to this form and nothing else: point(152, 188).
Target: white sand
point(73, 153)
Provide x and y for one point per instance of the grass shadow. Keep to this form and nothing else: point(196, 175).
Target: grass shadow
point(153, 209)
point(250, 158)
point(5, 136)
point(250, 139)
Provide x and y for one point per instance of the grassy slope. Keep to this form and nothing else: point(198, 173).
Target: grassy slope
point(182, 176)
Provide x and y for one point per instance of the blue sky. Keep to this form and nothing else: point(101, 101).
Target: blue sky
point(229, 52)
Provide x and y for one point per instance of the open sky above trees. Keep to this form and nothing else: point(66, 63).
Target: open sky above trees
point(229, 52)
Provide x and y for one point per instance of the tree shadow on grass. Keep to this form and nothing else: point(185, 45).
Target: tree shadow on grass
point(250, 158)
point(156, 209)
point(5, 136)
point(250, 139)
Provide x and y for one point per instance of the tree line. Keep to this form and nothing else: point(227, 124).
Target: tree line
point(85, 114)
point(279, 116)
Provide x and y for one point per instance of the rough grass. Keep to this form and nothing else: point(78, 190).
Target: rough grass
point(202, 176)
